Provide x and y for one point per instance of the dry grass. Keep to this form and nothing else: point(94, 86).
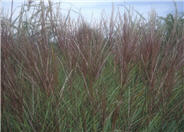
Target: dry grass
point(62, 75)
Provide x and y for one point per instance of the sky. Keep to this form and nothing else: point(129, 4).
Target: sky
point(93, 9)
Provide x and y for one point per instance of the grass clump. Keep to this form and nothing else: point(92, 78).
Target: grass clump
point(63, 75)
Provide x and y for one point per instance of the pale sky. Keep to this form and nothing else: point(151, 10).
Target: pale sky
point(96, 7)
point(96, 0)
